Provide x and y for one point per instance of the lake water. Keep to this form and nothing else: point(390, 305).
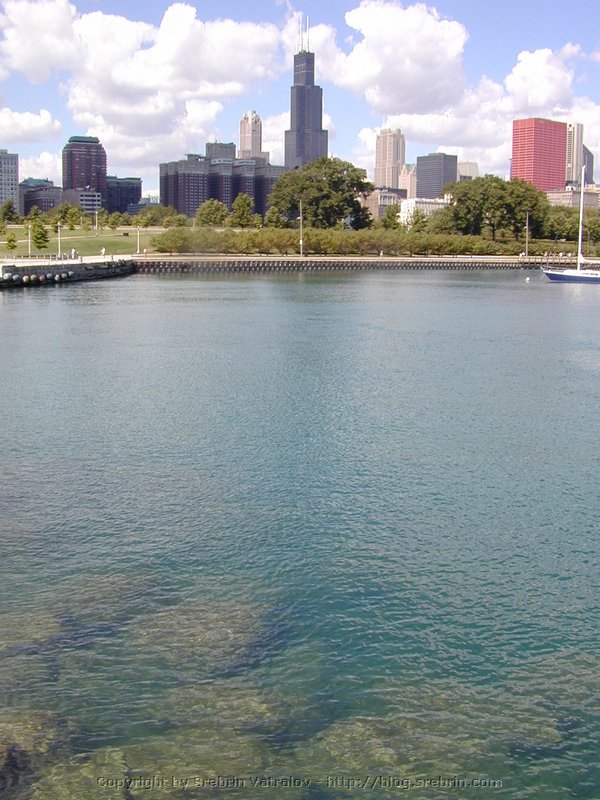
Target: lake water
point(301, 537)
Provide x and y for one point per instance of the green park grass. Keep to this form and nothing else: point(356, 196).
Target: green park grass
point(122, 241)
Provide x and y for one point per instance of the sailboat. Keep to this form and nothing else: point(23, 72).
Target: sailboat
point(585, 271)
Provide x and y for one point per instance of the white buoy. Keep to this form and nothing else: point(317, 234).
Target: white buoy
point(527, 280)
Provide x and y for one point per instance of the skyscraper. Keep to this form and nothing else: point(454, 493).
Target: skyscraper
point(574, 152)
point(389, 157)
point(305, 140)
point(433, 172)
point(251, 136)
point(9, 178)
point(539, 152)
point(588, 160)
point(84, 164)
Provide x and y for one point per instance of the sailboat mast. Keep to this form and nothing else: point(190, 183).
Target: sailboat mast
point(580, 240)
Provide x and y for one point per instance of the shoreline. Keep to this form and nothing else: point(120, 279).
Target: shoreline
point(45, 272)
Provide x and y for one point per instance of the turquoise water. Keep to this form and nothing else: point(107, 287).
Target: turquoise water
point(300, 537)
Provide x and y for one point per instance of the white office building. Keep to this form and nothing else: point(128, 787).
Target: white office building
point(426, 205)
point(9, 178)
point(574, 153)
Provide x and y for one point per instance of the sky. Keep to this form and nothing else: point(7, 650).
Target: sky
point(154, 79)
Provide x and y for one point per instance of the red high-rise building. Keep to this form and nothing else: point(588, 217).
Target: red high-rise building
point(539, 152)
point(84, 164)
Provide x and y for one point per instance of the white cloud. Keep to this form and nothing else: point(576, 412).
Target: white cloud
point(540, 82)
point(408, 59)
point(24, 126)
point(127, 80)
point(38, 38)
point(363, 154)
point(46, 165)
point(273, 129)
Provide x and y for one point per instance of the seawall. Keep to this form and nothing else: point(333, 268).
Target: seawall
point(216, 265)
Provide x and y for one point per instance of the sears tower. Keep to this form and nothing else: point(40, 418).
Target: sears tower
point(306, 140)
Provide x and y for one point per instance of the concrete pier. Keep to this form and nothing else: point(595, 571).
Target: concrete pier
point(50, 272)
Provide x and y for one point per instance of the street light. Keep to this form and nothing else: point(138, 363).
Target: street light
point(29, 239)
point(58, 245)
point(301, 240)
point(527, 233)
point(138, 240)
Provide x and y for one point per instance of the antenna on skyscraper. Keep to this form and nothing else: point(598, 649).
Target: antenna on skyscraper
point(307, 35)
point(300, 21)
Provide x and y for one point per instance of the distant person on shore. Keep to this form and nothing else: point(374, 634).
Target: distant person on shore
point(103, 251)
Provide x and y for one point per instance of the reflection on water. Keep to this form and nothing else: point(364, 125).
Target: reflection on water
point(280, 536)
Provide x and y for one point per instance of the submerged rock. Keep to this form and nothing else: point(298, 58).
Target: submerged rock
point(443, 727)
point(26, 629)
point(99, 776)
point(232, 704)
point(28, 741)
point(23, 680)
point(192, 760)
point(93, 599)
point(200, 637)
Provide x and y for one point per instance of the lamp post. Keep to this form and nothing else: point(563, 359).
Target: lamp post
point(29, 239)
point(138, 240)
point(58, 238)
point(301, 232)
point(527, 233)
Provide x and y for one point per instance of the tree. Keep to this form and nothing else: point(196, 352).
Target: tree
point(391, 220)
point(495, 203)
point(242, 212)
point(274, 218)
point(101, 219)
point(418, 222)
point(39, 235)
point(175, 240)
point(8, 213)
point(114, 221)
point(176, 221)
point(561, 223)
point(522, 198)
point(211, 213)
point(11, 241)
point(330, 191)
point(34, 214)
point(73, 217)
point(154, 215)
point(442, 221)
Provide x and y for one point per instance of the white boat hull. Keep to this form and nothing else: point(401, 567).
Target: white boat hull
point(573, 275)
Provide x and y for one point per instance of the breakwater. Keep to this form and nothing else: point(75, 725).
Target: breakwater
point(216, 265)
point(40, 272)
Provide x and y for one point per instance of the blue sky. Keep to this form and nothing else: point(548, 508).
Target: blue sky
point(155, 80)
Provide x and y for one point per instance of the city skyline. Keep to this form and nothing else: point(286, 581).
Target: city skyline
point(148, 87)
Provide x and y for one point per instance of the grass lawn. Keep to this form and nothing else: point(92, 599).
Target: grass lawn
point(123, 241)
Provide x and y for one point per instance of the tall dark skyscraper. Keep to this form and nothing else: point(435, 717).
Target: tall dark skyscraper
point(306, 140)
point(433, 172)
point(84, 164)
